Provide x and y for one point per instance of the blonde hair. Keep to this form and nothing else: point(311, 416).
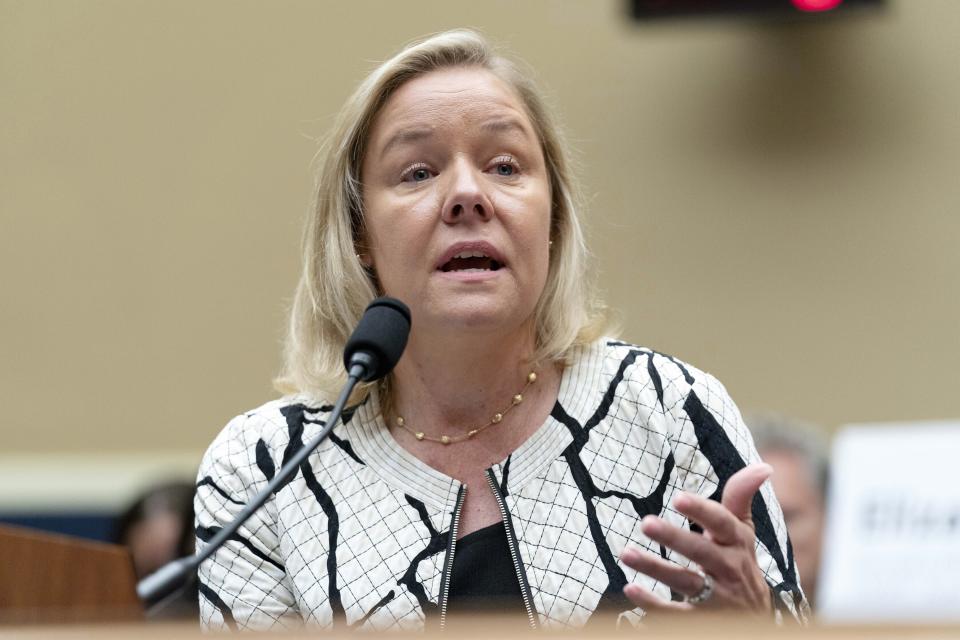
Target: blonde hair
point(335, 288)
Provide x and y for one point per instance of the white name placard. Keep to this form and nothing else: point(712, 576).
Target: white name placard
point(892, 542)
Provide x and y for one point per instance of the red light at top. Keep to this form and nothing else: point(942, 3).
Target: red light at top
point(816, 5)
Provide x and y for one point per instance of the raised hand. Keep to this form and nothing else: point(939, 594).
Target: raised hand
point(729, 577)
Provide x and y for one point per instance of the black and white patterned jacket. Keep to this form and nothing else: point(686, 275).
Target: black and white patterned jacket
point(361, 536)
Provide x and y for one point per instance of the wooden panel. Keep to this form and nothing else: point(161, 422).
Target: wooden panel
point(47, 577)
point(729, 627)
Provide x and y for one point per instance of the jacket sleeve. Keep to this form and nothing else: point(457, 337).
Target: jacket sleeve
point(717, 445)
point(244, 584)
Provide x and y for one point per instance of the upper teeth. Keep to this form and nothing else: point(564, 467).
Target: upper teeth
point(471, 254)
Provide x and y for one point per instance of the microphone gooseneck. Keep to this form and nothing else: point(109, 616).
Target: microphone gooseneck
point(372, 351)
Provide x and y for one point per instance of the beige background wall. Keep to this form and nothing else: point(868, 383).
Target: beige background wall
point(776, 204)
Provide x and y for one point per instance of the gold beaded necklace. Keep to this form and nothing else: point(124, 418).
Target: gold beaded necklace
point(496, 419)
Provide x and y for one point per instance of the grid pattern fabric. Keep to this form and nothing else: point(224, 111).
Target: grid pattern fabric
point(359, 537)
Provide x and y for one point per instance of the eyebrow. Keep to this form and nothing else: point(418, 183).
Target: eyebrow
point(504, 124)
point(418, 133)
point(406, 136)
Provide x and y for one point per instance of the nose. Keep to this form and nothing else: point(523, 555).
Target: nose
point(466, 198)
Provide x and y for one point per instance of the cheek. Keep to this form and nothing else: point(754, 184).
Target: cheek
point(397, 225)
point(529, 214)
point(541, 239)
point(536, 240)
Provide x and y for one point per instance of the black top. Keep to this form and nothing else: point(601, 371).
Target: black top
point(483, 579)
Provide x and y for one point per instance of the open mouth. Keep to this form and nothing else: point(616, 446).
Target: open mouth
point(470, 261)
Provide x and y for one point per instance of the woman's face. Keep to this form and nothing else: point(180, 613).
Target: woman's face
point(457, 203)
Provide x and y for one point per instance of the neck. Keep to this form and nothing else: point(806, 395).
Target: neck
point(456, 384)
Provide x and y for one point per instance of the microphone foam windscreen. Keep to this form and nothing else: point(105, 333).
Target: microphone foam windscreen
point(382, 334)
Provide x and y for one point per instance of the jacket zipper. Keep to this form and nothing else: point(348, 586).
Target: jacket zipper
point(514, 554)
point(448, 562)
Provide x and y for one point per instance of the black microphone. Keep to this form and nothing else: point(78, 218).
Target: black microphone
point(379, 339)
point(372, 352)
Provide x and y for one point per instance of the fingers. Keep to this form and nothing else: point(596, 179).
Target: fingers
point(723, 526)
point(721, 519)
point(738, 493)
point(697, 548)
point(726, 553)
point(650, 602)
point(676, 577)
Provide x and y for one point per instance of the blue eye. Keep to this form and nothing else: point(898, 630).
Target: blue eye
point(416, 173)
point(505, 169)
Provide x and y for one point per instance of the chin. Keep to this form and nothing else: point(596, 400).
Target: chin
point(476, 316)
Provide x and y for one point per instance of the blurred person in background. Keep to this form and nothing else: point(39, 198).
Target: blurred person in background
point(798, 453)
point(157, 528)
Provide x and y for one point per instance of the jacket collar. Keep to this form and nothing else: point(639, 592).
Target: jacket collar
point(369, 435)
